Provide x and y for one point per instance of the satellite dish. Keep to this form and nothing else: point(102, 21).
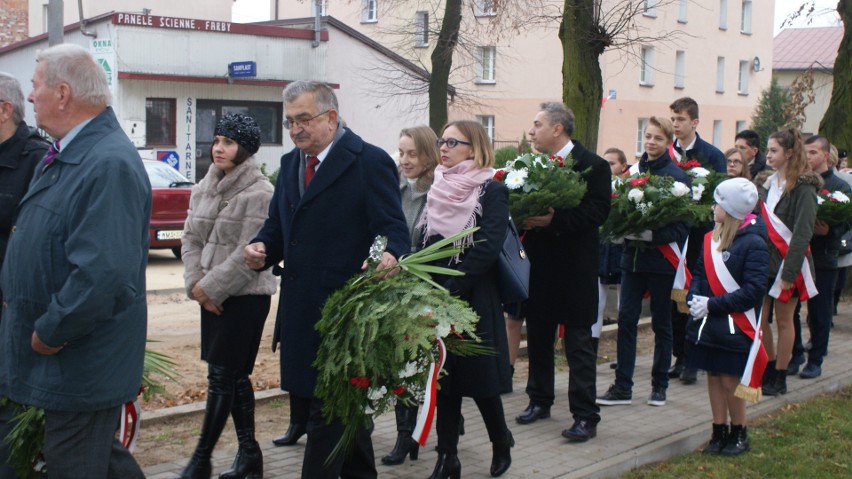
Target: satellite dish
point(755, 64)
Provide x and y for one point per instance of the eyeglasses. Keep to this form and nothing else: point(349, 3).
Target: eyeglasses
point(451, 142)
point(734, 162)
point(301, 122)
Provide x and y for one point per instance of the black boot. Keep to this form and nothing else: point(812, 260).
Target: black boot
point(299, 413)
point(778, 385)
point(249, 460)
point(406, 418)
point(447, 467)
point(220, 396)
point(718, 440)
point(502, 457)
point(768, 374)
point(737, 441)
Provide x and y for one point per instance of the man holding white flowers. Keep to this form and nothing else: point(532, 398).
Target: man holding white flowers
point(563, 250)
point(825, 247)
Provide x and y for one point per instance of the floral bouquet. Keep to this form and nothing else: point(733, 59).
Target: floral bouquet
point(704, 183)
point(648, 202)
point(384, 341)
point(833, 207)
point(537, 182)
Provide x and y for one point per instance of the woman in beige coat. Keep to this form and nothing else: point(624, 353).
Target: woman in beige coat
point(226, 210)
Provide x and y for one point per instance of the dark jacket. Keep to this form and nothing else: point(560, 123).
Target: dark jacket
point(564, 255)
point(708, 155)
point(19, 156)
point(484, 375)
point(758, 165)
point(797, 210)
point(747, 258)
point(826, 248)
point(609, 263)
point(75, 273)
point(323, 238)
point(645, 257)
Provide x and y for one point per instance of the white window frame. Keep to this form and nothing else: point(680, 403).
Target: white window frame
point(487, 122)
point(717, 133)
point(369, 11)
point(323, 8)
point(720, 74)
point(681, 10)
point(646, 70)
point(680, 69)
point(741, 125)
point(723, 14)
point(745, 18)
point(742, 83)
point(421, 29)
point(650, 8)
point(640, 136)
point(485, 8)
point(486, 65)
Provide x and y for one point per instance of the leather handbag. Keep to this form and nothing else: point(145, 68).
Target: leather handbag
point(513, 268)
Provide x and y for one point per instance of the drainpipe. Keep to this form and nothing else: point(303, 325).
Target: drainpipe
point(317, 16)
point(55, 23)
point(83, 30)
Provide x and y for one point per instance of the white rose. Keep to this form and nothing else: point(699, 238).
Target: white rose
point(635, 195)
point(839, 196)
point(699, 172)
point(409, 370)
point(376, 394)
point(679, 189)
point(697, 191)
point(516, 179)
point(442, 330)
point(820, 200)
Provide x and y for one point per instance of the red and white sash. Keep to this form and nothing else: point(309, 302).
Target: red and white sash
point(130, 417)
point(781, 236)
point(677, 258)
point(721, 282)
point(427, 412)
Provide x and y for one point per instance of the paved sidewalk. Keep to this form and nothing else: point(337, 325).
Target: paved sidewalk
point(628, 436)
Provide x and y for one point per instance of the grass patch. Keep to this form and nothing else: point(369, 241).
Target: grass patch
point(812, 439)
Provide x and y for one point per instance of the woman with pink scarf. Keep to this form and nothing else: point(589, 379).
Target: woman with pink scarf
point(463, 196)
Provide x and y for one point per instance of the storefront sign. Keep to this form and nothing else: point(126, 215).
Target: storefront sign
point(104, 53)
point(170, 158)
point(140, 20)
point(242, 69)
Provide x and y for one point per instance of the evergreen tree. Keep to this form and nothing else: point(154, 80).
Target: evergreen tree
point(769, 116)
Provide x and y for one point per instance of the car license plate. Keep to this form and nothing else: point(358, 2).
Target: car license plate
point(169, 235)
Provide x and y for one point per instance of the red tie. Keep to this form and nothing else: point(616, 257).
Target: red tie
point(313, 161)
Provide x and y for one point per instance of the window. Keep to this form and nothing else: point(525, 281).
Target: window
point(421, 29)
point(680, 68)
point(485, 64)
point(646, 77)
point(323, 8)
point(681, 10)
point(717, 133)
point(745, 21)
point(369, 11)
point(742, 86)
point(485, 8)
point(650, 9)
point(160, 122)
point(723, 14)
point(640, 136)
point(487, 122)
point(720, 74)
point(741, 125)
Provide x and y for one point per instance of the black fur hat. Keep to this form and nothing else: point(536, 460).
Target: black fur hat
point(242, 129)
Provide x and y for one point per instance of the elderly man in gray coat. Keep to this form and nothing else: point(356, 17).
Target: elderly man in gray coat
point(72, 339)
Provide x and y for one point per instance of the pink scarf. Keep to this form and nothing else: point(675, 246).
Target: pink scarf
point(453, 201)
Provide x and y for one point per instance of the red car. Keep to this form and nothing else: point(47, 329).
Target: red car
point(170, 191)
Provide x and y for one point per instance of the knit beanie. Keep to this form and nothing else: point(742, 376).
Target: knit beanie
point(737, 196)
point(242, 129)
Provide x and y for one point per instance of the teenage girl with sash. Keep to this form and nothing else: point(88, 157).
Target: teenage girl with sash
point(788, 207)
point(727, 289)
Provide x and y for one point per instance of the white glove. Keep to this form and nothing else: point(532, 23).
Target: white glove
point(646, 235)
point(698, 306)
point(617, 240)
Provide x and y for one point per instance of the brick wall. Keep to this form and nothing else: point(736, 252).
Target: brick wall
point(13, 18)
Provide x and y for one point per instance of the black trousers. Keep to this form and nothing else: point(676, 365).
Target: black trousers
point(449, 419)
point(358, 463)
point(580, 353)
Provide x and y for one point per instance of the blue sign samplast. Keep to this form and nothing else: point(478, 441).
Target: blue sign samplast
point(170, 158)
point(242, 69)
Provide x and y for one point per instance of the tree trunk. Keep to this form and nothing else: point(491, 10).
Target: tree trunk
point(442, 63)
point(836, 125)
point(582, 84)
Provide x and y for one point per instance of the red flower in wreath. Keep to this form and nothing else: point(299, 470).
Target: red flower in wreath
point(689, 164)
point(362, 382)
point(499, 174)
point(824, 192)
point(398, 390)
point(638, 181)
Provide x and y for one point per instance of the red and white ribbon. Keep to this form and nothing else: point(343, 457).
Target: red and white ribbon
point(676, 257)
point(427, 412)
point(781, 236)
point(721, 282)
point(130, 413)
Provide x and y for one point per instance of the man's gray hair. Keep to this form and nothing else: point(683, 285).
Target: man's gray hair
point(324, 96)
point(10, 90)
point(556, 113)
point(75, 66)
